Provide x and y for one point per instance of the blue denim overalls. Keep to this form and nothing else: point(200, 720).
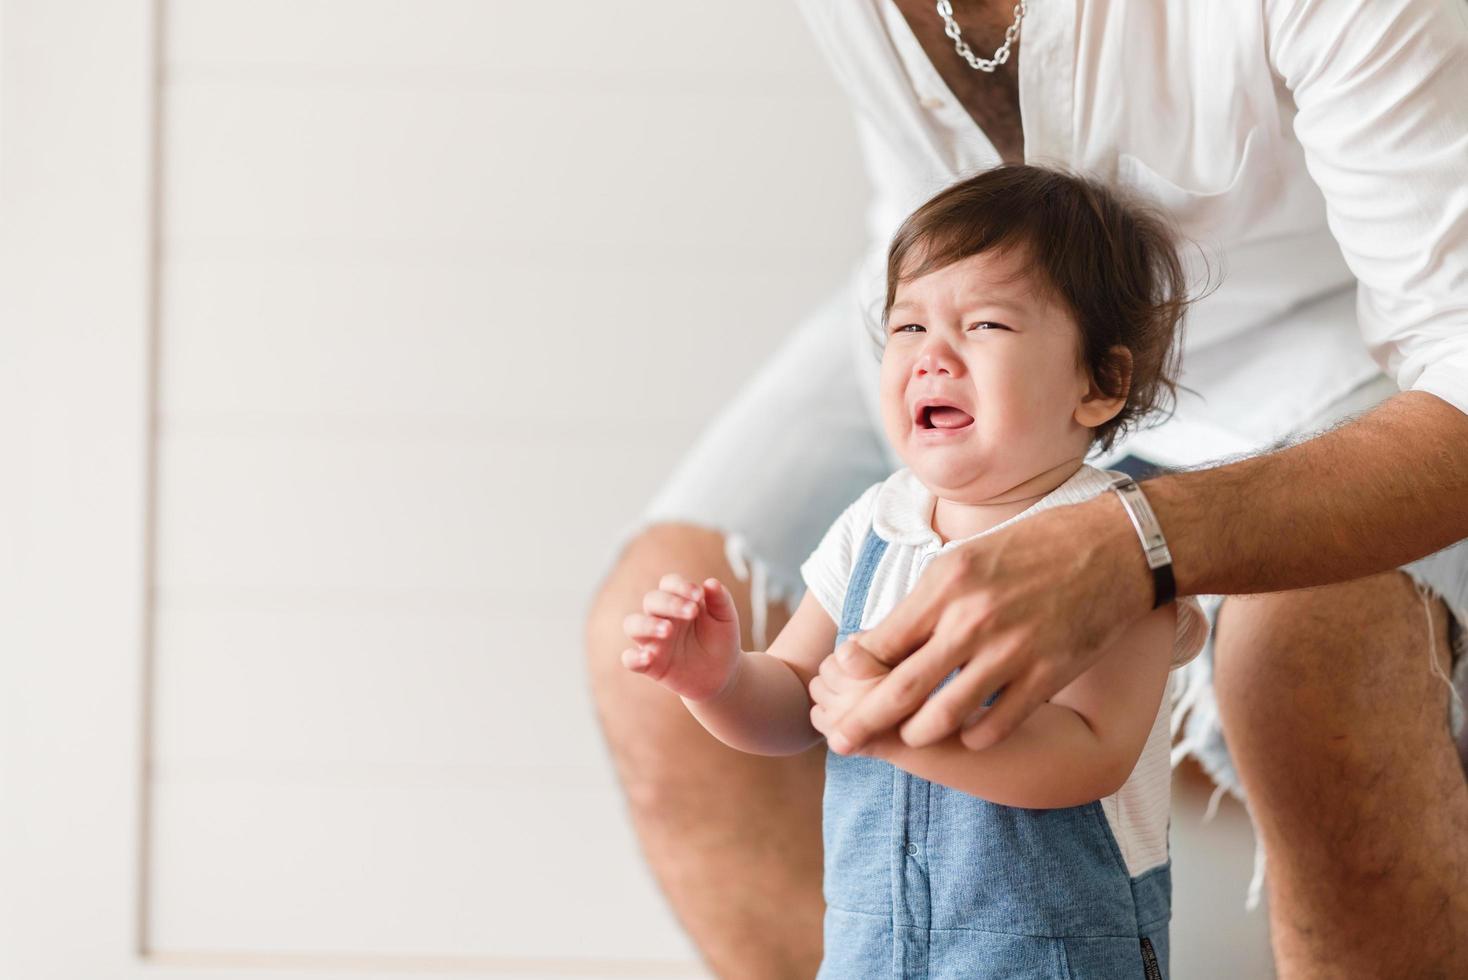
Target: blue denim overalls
point(926, 881)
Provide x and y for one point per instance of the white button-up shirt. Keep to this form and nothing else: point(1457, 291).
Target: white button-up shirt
point(1314, 154)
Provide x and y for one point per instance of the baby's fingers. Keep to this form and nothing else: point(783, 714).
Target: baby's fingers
point(667, 604)
point(833, 674)
point(680, 586)
point(639, 659)
point(646, 629)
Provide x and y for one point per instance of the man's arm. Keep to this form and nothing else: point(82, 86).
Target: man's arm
point(1033, 605)
point(764, 709)
point(1365, 497)
point(1078, 747)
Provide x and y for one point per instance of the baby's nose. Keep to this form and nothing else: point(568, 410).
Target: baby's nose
point(941, 361)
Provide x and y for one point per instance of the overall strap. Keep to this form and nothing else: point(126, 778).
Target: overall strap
point(855, 603)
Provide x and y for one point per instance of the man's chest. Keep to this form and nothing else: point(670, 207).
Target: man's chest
point(990, 98)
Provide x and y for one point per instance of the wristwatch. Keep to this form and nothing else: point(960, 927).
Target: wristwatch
point(1154, 545)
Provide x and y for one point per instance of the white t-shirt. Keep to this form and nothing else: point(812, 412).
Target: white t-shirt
point(1315, 152)
point(900, 508)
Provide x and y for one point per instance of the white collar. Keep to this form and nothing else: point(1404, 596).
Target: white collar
point(903, 512)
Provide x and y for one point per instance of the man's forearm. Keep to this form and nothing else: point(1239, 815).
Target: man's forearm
point(764, 710)
point(1379, 491)
point(1052, 759)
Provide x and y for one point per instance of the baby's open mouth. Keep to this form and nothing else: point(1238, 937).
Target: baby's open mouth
point(943, 417)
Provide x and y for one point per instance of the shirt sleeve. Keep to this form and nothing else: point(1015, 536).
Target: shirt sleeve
point(1379, 87)
point(828, 569)
point(1192, 631)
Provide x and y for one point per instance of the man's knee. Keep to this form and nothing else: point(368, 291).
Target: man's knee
point(657, 550)
point(1337, 648)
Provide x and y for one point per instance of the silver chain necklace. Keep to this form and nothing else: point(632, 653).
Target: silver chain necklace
point(1001, 54)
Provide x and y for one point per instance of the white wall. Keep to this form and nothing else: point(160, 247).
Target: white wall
point(446, 288)
point(441, 291)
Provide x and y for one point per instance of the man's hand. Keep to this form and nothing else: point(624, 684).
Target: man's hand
point(1027, 609)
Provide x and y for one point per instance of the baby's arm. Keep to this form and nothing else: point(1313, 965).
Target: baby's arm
point(752, 701)
point(1080, 746)
point(766, 709)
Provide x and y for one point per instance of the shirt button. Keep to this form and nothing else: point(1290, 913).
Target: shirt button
point(931, 102)
point(911, 848)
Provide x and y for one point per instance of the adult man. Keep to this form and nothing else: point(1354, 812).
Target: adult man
point(1318, 156)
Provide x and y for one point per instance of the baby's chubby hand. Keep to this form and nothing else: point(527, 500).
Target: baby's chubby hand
point(686, 637)
point(844, 679)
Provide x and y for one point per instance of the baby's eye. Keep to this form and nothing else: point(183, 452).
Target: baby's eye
point(903, 328)
point(989, 325)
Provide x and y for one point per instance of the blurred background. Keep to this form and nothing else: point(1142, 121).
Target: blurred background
point(340, 340)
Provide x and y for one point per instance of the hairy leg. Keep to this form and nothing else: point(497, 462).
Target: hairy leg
point(1338, 730)
point(734, 839)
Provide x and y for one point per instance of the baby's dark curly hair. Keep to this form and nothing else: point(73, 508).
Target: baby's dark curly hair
point(1112, 261)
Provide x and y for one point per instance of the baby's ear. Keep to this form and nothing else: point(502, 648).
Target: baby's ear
point(1097, 406)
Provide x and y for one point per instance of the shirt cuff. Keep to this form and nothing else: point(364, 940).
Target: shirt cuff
point(1448, 380)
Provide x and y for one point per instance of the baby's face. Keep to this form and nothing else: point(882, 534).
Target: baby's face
point(979, 335)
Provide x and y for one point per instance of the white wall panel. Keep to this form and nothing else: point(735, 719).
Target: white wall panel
point(753, 42)
point(446, 288)
point(509, 864)
point(352, 163)
point(304, 689)
point(643, 341)
point(320, 508)
point(76, 87)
